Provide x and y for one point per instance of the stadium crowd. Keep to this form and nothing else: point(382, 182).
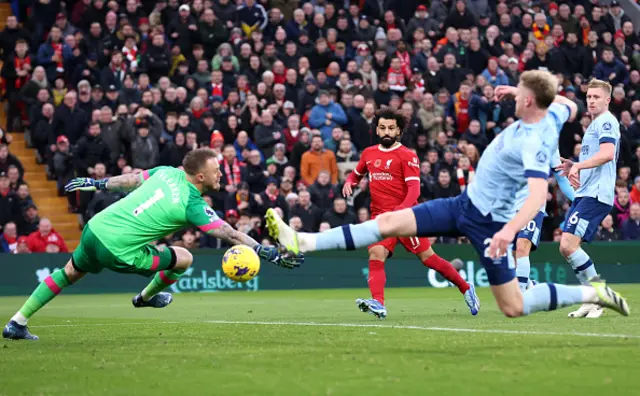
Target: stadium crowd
point(286, 92)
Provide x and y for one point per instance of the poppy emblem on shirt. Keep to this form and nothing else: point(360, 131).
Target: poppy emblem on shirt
point(377, 163)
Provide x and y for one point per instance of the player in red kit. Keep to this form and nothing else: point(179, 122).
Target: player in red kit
point(394, 182)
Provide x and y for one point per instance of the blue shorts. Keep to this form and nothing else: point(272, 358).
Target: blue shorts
point(459, 217)
point(584, 217)
point(532, 231)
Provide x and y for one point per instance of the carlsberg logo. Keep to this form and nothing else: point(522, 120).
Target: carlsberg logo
point(203, 281)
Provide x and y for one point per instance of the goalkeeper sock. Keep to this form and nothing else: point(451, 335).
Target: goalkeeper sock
point(45, 292)
point(161, 280)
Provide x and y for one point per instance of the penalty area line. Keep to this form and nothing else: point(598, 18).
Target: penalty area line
point(358, 325)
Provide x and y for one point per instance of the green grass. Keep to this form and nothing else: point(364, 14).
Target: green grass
point(100, 345)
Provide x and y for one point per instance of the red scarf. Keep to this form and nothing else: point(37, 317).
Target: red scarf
point(233, 177)
point(405, 59)
point(557, 41)
point(272, 197)
point(280, 78)
point(216, 89)
point(541, 34)
point(57, 49)
point(10, 241)
point(198, 113)
point(19, 63)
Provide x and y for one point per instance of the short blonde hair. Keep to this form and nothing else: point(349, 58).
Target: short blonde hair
point(605, 86)
point(543, 85)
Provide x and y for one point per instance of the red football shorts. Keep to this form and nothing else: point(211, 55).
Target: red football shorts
point(413, 245)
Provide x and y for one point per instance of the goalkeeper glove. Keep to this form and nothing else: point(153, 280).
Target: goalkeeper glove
point(86, 184)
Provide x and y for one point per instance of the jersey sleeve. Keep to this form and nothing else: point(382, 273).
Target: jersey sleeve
point(411, 167)
point(361, 168)
point(608, 131)
point(536, 159)
point(561, 112)
point(202, 216)
point(146, 174)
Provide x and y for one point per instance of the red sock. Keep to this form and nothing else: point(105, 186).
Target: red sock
point(445, 268)
point(377, 280)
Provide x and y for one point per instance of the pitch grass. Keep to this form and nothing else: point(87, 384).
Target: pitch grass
point(100, 345)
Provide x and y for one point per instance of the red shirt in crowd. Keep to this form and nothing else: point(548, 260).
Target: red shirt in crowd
point(38, 243)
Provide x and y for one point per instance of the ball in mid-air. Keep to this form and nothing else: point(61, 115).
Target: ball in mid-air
point(240, 263)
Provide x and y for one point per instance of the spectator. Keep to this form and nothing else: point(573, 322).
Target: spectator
point(6, 199)
point(322, 191)
point(90, 150)
point(234, 172)
point(7, 160)
point(444, 187)
point(340, 215)
point(463, 107)
point(307, 211)
point(631, 227)
point(635, 191)
point(606, 232)
point(63, 162)
point(45, 235)
point(22, 246)
point(270, 198)
point(145, 146)
point(268, 133)
point(611, 69)
point(69, 120)
point(15, 78)
point(53, 54)
point(621, 208)
point(9, 238)
point(326, 115)
point(317, 160)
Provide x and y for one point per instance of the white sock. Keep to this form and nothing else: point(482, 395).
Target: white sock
point(523, 269)
point(20, 319)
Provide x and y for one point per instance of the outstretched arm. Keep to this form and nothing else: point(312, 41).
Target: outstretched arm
point(224, 231)
point(128, 182)
point(203, 217)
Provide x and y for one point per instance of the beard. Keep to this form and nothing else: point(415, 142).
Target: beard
point(387, 141)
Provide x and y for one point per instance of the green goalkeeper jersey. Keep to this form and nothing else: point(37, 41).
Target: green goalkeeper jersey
point(165, 203)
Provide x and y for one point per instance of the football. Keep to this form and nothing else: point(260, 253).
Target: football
point(240, 263)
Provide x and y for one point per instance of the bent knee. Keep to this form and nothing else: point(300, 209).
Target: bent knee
point(568, 246)
point(184, 258)
point(512, 310)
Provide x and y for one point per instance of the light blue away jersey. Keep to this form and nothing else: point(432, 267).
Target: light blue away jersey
point(599, 182)
point(523, 194)
point(519, 152)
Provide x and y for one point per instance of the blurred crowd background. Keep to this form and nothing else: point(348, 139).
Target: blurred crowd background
point(286, 92)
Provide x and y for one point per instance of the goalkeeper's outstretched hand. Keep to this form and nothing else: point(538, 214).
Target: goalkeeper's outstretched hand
point(85, 184)
point(280, 256)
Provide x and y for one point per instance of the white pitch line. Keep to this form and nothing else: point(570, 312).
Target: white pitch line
point(359, 325)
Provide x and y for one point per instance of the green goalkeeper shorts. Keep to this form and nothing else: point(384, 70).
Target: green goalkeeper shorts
point(92, 256)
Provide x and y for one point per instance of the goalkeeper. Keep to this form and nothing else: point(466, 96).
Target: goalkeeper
point(165, 200)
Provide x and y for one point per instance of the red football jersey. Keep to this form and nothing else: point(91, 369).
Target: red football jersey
point(389, 171)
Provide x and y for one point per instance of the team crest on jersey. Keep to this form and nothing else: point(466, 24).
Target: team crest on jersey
point(541, 156)
point(606, 126)
point(388, 164)
point(377, 163)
